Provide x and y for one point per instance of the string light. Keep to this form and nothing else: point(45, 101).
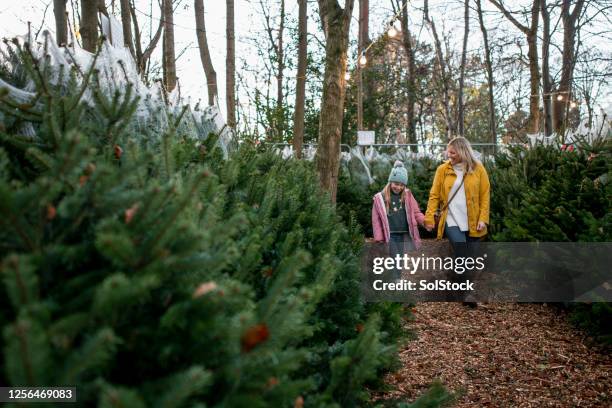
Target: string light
point(392, 32)
point(573, 104)
point(560, 97)
point(363, 60)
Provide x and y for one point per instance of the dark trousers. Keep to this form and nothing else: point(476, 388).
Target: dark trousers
point(399, 244)
point(461, 241)
point(463, 246)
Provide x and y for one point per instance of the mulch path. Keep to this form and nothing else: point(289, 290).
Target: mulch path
point(501, 355)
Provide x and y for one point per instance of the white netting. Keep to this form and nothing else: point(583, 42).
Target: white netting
point(117, 69)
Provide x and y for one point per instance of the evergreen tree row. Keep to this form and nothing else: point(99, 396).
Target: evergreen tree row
point(148, 271)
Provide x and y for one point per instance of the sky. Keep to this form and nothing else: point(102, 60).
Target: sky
point(14, 16)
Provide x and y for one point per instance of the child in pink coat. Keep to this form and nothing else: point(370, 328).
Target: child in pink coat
point(396, 214)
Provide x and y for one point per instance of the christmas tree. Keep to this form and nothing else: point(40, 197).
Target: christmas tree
point(144, 270)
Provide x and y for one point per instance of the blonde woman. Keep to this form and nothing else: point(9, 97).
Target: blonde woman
point(461, 190)
point(464, 181)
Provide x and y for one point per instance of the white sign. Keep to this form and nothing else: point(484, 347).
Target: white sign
point(365, 137)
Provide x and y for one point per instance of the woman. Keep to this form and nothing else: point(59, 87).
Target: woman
point(395, 214)
point(464, 179)
point(461, 190)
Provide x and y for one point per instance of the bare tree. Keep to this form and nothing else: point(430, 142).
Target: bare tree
point(61, 25)
point(441, 72)
point(531, 32)
point(489, 68)
point(546, 79)
point(126, 24)
point(364, 20)
point(569, 20)
point(335, 21)
point(592, 79)
point(278, 59)
point(89, 24)
point(143, 57)
point(460, 104)
point(281, 62)
point(209, 70)
point(230, 66)
point(407, 44)
point(300, 95)
point(169, 58)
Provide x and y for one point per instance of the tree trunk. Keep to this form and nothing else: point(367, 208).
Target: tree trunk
point(568, 63)
point(441, 68)
point(546, 80)
point(534, 71)
point(460, 104)
point(142, 58)
point(89, 24)
point(209, 70)
point(407, 43)
point(138, 46)
point(280, 62)
point(531, 33)
point(230, 66)
point(336, 22)
point(126, 23)
point(61, 25)
point(300, 92)
point(489, 68)
point(169, 57)
point(364, 17)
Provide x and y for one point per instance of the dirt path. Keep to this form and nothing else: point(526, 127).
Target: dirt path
point(502, 355)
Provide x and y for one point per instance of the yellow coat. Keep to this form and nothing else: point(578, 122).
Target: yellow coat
point(477, 197)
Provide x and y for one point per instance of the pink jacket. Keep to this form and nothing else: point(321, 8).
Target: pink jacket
point(380, 223)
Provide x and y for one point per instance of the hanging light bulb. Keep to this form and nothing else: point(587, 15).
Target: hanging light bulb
point(392, 32)
point(559, 97)
point(347, 76)
point(573, 104)
point(363, 60)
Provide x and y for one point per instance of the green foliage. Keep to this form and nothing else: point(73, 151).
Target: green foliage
point(595, 318)
point(436, 396)
point(146, 271)
point(544, 194)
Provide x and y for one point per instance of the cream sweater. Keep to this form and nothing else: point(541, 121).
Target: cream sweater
point(457, 209)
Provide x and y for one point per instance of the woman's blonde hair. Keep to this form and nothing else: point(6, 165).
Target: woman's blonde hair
point(387, 195)
point(464, 149)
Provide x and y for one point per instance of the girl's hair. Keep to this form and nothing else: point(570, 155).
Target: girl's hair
point(387, 195)
point(464, 150)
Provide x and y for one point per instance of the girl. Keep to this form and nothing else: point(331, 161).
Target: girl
point(395, 214)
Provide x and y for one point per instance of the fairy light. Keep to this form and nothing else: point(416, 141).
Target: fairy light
point(363, 60)
point(573, 104)
point(559, 97)
point(392, 32)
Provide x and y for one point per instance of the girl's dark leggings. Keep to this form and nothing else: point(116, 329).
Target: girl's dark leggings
point(399, 244)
